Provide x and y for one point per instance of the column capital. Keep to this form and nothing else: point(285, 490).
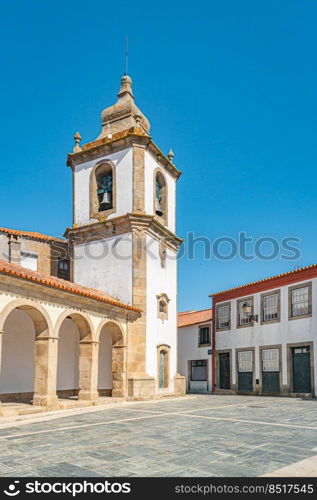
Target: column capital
point(89, 342)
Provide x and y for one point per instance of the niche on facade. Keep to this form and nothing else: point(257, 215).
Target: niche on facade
point(162, 306)
point(103, 190)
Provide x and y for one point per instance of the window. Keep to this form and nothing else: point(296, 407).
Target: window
point(244, 318)
point(104, 188)
point(160, 196)
point(270, 307)
point(223, 317)
point(204, 335)
point(300, 301)
point(63, 269)
point(301, 350)
point(199, 370)
point(271, 360)
point(245, 361)
point(162, 306)
point(163, 357)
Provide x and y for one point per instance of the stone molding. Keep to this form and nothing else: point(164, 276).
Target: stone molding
point(104, 147)
point(132, 222)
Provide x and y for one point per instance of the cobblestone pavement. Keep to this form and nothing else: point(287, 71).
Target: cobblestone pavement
point(193, 436)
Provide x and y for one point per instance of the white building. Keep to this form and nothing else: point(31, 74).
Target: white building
point(194, 349)
point(94, 314)
point(265, 336)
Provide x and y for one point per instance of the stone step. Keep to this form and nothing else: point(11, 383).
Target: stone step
point(19, 409)
point(69, 404)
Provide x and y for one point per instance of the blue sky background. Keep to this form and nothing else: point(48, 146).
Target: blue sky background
point(230, 86)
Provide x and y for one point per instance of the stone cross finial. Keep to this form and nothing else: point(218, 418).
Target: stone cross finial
point(170, 155)
point(77, 139)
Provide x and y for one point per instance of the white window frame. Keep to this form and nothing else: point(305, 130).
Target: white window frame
point(301, 300)
point(226, 324)
point(245, 361)
point(270, 360)
point(242, 319)
point(271, 312)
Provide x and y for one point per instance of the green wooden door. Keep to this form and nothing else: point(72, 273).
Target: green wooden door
point(270, 371)
point(245, 382)
point(301, 370)
point(245, 371)
point(224, 370)
point(270, 382)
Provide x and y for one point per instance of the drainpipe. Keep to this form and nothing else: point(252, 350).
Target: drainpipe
point(213, 356)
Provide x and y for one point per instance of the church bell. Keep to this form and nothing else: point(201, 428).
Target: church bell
point(106, 198)
point(158, 209)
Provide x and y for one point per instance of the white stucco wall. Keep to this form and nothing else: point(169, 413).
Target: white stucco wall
point(106, 265)
point(105, 361)
point(123, 166)
point(150, 165)
point(4, 247)
point(188, 350)
point(18, 354)
point(68, 356)
point(29, 261)
point(160, 280)
point(284, 332)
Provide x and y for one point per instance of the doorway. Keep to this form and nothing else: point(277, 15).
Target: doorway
point(301, 370)
point(224, 370)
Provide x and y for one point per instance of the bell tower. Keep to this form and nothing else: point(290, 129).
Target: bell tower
point(123, 237)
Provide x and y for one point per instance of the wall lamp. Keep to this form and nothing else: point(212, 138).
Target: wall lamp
point(247, 310)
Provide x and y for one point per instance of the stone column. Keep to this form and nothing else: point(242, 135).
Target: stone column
point(45, 372)
point(138, 178)
point(119, 374)
point(88, 370)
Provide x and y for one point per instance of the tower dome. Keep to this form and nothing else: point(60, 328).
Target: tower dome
point(124, 114)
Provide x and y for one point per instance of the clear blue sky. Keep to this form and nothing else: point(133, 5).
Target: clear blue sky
point(229, 85)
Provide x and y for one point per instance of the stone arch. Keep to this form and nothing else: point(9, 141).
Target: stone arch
point(77, 355)
point(117, 333)
point(94, 209)
point(38, 314)
point(160, 179)
point(29, 352)
point(112, 359)
point(81, 320)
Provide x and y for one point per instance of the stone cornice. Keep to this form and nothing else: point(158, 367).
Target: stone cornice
point(122, 140)
point(132, 222)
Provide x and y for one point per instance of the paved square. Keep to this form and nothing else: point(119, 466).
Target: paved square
point(191, 436)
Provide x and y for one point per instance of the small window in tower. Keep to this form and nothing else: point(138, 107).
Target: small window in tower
point(104, 190)
point(160, 204)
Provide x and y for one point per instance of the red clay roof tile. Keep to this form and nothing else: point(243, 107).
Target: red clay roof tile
point(31, 234)
point(188, 318)
point(20, 272)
